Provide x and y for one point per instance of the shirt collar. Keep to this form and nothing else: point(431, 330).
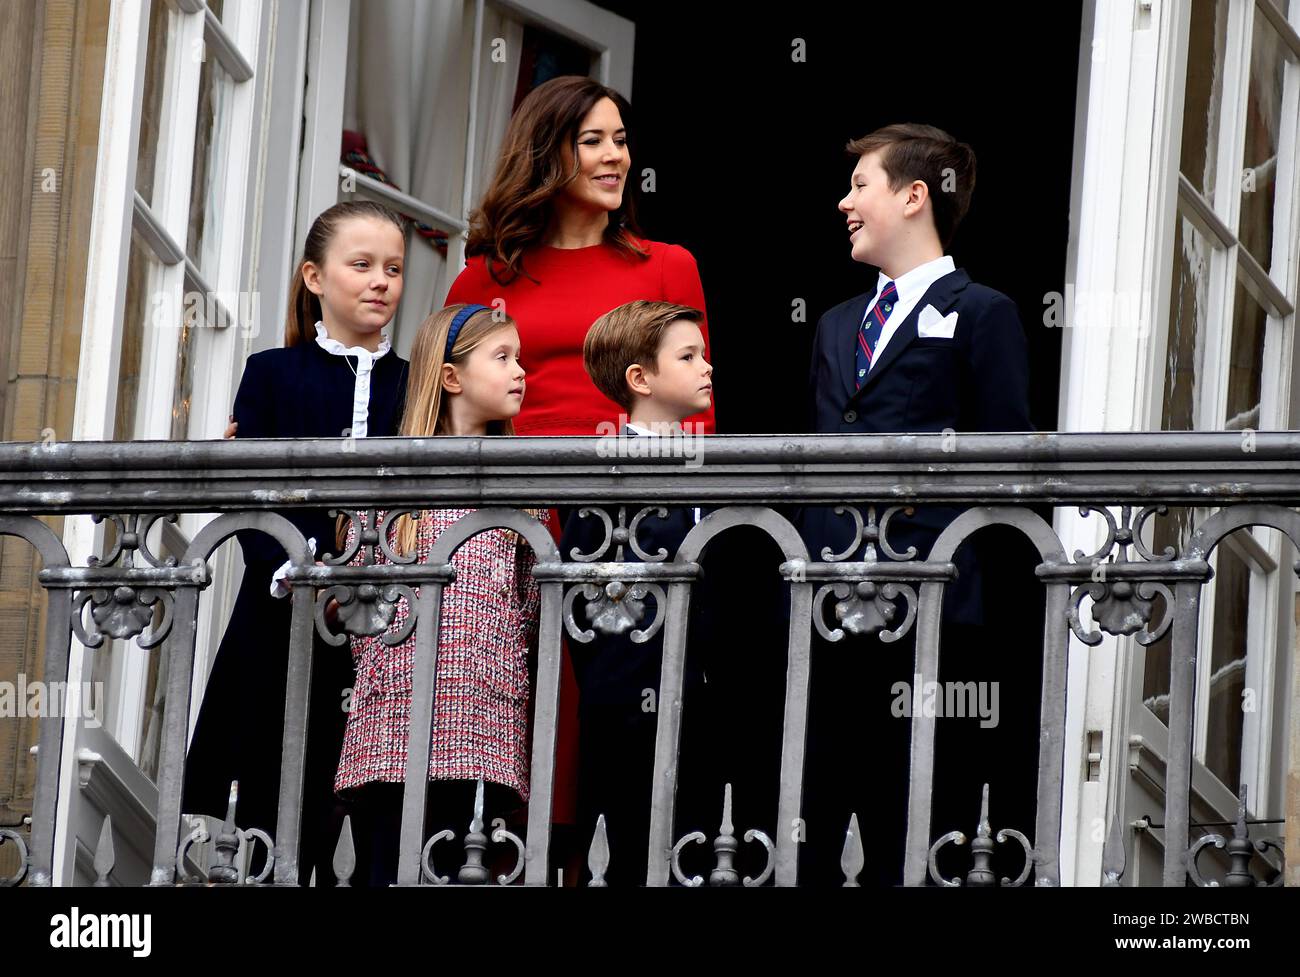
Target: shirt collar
point(333, 346)
point(915, 283)
point(638, 429)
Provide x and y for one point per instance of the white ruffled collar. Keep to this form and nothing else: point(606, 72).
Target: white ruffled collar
point(333, 346)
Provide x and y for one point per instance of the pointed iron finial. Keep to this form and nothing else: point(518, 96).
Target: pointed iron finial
point(104, 855)
point(984, 831)
point(852, 857)
point(725, 847)
point(345, 856)
point(1113, 855)
point(477, 823)
point(226, 845)
point(598, 855)
point(473, 872)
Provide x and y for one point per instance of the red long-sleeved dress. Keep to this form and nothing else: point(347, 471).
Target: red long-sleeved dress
point(564, 291)
point(574, 287)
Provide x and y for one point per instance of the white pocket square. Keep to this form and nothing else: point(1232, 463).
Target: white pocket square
point(931, 325)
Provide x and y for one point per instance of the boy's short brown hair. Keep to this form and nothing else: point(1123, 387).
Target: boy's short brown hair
point(631, 333)
point(909, 151)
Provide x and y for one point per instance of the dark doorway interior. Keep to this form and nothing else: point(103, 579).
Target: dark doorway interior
point(747, 148)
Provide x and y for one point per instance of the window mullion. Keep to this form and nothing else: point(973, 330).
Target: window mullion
point(227, 48)
point(224, 283)
point(1257, 282)
point(170, 207)
point(1290, 37)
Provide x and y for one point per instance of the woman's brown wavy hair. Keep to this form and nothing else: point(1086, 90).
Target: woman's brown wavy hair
point(518, 205)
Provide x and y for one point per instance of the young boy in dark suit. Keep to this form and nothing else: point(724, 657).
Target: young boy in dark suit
point(648, 357)
point(925, 350)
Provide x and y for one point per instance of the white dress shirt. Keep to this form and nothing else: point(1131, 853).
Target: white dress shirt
point(360, 415)
point(647, 432)
point(912, 286)
point(365, 364)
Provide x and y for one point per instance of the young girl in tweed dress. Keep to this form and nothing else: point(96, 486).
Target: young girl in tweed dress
point(466, 380)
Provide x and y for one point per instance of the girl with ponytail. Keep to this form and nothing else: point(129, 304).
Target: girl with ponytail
point(336, 376)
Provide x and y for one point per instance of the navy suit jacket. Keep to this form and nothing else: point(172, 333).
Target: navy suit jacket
point(977, 380)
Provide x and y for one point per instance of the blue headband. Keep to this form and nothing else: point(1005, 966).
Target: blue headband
point(459, 321)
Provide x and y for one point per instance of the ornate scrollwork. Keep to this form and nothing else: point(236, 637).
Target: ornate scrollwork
point(865, 608)
point(620, 535)
point(10, 881)
point(121, 613)
point(725, 847)
point(1140, 546)
point(365, 533)
point(473, 872)
point(427, 871)
point(696, 838)
point(1127, 532)
point(1241, 850)
point(614, 608)
point(981, 874)
point(230, 841)
point(131, 537)
point(1121, 607)
point(366, 611)
point(870, 533)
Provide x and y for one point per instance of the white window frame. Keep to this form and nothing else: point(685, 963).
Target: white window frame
point(609, 37)
point(1272, 587)
point(1124, 197)
point(163, 225)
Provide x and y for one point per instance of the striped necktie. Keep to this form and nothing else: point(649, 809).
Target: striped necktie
point(872, 326)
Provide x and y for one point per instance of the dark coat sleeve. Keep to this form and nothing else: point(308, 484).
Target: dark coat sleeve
point(999, 377)
point(254, 407)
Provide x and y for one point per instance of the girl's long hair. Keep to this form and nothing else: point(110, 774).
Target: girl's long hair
point(427, 408)
point(304, 306)
point(519, 203)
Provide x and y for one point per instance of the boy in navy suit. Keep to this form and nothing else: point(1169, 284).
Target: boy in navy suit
point(926, 350)
point(648, 357)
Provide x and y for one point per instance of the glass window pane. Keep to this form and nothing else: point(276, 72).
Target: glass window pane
point(203, 172)
point(1173, 529)
point(155, 82)
point(1263, 125)
point(1245, 362)
point(191, 322)
point(142, 271)
point(1203, 94)
point(1227, 668)
point(1188, 327)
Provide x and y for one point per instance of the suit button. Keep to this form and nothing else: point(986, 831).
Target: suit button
point(850, 416)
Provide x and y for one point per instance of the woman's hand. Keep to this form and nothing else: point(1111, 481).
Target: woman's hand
point(230, 430)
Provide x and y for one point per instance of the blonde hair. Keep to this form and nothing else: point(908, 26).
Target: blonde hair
point(426, 408)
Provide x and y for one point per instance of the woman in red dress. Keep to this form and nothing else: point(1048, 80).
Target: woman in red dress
point(555, 240)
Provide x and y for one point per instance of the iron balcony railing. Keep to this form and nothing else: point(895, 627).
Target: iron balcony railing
point(1250, 479)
